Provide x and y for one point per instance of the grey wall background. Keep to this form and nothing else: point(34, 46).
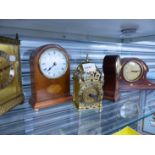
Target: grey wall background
point(64, 118)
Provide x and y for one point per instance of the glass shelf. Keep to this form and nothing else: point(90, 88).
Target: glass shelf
point(65, 119)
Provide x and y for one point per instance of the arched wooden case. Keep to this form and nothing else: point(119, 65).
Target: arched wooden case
point(47, 92)
point(142, 82)
point(111, 77)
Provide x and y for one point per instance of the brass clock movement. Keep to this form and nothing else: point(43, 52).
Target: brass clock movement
point(134, 74)
point(88, 81)
point(50, 74)
point(111, 69)
point(10, 78)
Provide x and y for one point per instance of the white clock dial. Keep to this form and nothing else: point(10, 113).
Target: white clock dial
point(53, 63)
point(132, 71)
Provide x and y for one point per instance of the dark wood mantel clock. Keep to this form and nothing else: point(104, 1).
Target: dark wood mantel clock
point(50, 74)
point(10, 75)
point(133, 74)
point(111, 69)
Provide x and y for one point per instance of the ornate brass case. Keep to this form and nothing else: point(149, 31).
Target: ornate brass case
point(88, 92)
point(10, 78)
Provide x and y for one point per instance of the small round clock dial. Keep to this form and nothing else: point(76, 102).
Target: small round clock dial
point(132, 71)
point(53, 63)
point(90, 95)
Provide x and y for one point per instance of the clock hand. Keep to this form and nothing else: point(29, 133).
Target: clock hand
point(54, 64)
point(135, 71)
point(93, 96)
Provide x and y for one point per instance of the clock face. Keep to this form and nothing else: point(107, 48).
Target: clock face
point(132, 71)
point(6, 70)
point(90, 95)
point(118, 66)
point(53, 63)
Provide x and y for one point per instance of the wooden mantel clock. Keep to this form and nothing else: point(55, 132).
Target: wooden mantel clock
point(133, 74)
point(50, 75)
point(111, 69)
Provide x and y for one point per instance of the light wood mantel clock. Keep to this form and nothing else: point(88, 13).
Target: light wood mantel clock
point(50, 75)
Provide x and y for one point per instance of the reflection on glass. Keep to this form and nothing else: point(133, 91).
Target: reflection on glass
point(129, 110)
point(89, 124)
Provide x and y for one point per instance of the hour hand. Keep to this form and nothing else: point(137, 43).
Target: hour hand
point(135, 71)
point(52, 66)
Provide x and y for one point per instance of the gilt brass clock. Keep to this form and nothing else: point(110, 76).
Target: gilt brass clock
point(111, 69)
point(7, 71)
point(10, 78)
point(88, 81)
point(50, 74)
point(134, 74)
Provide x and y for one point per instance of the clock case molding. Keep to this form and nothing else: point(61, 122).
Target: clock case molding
point(142, 82)
point(41, 98)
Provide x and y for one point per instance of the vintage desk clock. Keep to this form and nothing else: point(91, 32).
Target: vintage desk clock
point(50, 74)
point(88, 81)
point(133, 74)
point(111, 69)
point(10, 77)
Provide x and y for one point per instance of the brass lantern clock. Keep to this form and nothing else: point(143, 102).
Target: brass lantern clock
point(88, 81)
point(10, 78)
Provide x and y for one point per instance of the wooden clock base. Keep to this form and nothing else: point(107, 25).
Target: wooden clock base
point(112, 98)
point(44, 104)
